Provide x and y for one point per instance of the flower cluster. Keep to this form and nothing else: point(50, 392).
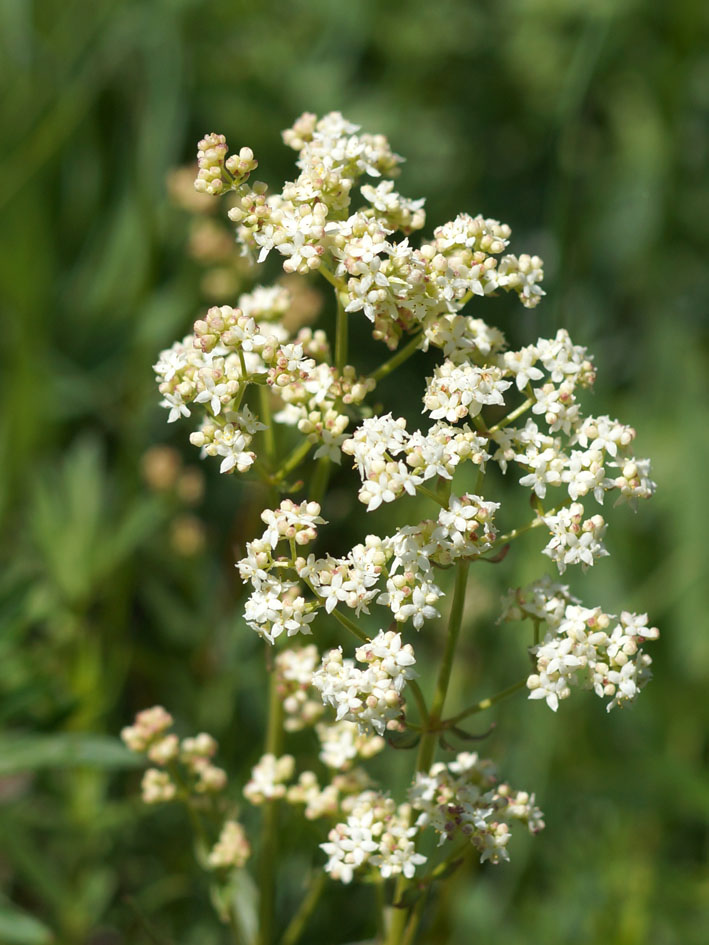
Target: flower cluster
point(330, 800)
point(268, 778)
point(341, 743)
point(581, 646)
point(192, 757)
point(596, 650)
point(371, 696)
point(463, 799)
point(246, 367)
point(277, 604)
point(377, 832)
point(232, 849)
point(187, 773)
point(294, 668)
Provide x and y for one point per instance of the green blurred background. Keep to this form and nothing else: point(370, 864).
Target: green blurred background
point(582, 123)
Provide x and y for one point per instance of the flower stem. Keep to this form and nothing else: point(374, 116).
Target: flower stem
point(340, 335)
point(511, 417)
point(350, 625)
point(320, 479)
point(431, 495)
point(269, 439)
point(291, 461)
point(269, 823)
point(420, 701)
point(403, 354)
point(296, 926)
point(486, 703)
point(516, 532)
point(405, 922)
point(428, 742)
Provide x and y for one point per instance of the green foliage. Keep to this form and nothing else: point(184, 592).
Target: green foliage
point(582, 125)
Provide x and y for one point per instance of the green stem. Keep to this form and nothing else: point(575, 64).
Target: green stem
point(414, 919)
point(511, 417)
point(326, 274)
point(379, 890)
point(296, 926)
point(320, 479)
point(269, 823)
point(486, 703)
point(340, 335)
point(420, 701)
point(350, 625)
point(432, 495)
point(293, 460)
point(535, 523)
point(516, 532)
point(428, 742)
point(269, 436)
point(403, 354)
point(399, 933)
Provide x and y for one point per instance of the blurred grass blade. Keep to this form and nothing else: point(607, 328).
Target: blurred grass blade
point(17, 927)
point(27, 752)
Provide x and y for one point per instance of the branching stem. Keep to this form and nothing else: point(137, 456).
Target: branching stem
point(486, 703)
point(403, 354)
point(296, 926)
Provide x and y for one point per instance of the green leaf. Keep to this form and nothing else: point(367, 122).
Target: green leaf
point(237, 898)
point(28, 752)
point(19, 928)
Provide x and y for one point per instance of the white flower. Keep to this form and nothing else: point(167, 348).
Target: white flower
point(463, 799)
point(456, 391)
point(369, 697)
point(268, 778)
point(375, 832)
point(342, 742)
point(232, 849)
point(521, 364)
point(575, 541)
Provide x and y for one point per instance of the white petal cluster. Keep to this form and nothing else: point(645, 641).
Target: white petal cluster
point(376, 833)
point(575, 540)
point(543, 600)
point(462, 338)
point(268, 778)
point(212, 368)
point(292, 522)
point(575, 452)
point(157, 787)
point(318, 801)
point(595, 650)
point(465, 528)
point(148, 735)
point(392, 462)
point(294, 668)
point(276, 604)
point(332, 799)
point(458, 391)
point(463, 800)
point(317, 403)
point(312, 220)
point(371, 697)
point(232, 849)
point(217, 172)
point(342, 743)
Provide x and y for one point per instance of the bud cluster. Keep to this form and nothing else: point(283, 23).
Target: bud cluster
point(187, 763)
point(369, 697)
point(463, 800)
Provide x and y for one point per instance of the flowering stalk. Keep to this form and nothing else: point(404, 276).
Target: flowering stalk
point(364, 239)
point(403, 924)
point(428, 742)
point(269, 824)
